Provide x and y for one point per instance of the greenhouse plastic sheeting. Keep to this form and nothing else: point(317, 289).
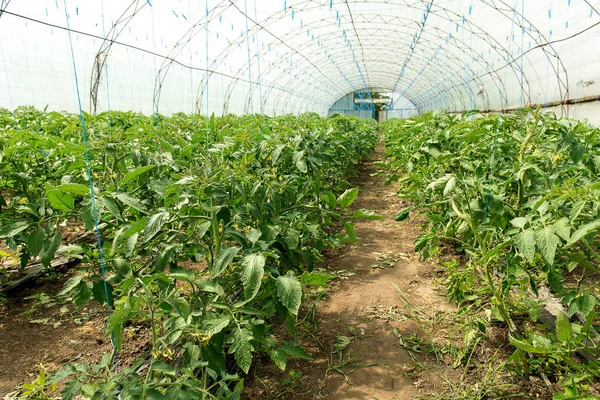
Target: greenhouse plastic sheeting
point(274, 57)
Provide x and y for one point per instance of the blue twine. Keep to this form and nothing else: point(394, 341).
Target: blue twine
point(502, 93)
point(90, 180)
point(207, 75)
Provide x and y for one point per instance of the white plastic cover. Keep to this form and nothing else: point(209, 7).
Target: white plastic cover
point(291, 56)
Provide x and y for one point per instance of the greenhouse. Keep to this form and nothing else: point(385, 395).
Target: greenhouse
point(300, 199)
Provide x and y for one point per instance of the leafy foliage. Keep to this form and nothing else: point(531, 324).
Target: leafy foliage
point(207, 225)
point(519, 196)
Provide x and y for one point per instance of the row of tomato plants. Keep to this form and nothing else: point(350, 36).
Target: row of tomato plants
point(519, 196)
point(210, 228)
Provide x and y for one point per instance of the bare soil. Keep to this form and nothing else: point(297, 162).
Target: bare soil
point(52, 333)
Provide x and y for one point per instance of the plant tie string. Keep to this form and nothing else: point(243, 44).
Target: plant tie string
point(91, 186)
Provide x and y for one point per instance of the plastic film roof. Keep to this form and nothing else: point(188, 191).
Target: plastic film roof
point(274, 57)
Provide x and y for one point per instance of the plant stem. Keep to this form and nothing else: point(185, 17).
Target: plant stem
point(215, 227)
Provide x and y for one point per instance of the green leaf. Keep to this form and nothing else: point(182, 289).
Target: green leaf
point(450, 185)
point(70, 285)
point(215, 325)
point(438, 183)
point(153, 224)
point(99, 292)
point(223, 260)
point(182, 274)
point(269, 232)
point(547, 242)
point(364, 214)
point(112, 207)
point(291, 238)
point(519, 222)
point(583, 231)
point(563, 327)
point(131, 175)
point(277, 152)
point(82, 293)
point(115, 324)
point(253, 235)
point(88, 218)
point(137, 227)
point(75, 188)
point(202, 229)
point(520, 344)
point(289, 292)
point(47, 253)
point(562, 228)
point(554, 280)
point(316, 278)
point(35, 242)
point(71, 389)
point(121, 266)
point(577, 209)
point(60, 200)
point(251, 274)
point(525, 242)
point(329, 198)
point(403, 214)
point(242, 348)
point(279, 358)
point(155, 394)
point(292, 350)
point(588, 322)
point(541, 342)
point(347, 198)
point(586, 303)
point(14, 229)
point(164, 257)
point(163, 368)
point(130, 244)
point(300, 163)
point(350, 231)
point(210, 287)
point(132, 202)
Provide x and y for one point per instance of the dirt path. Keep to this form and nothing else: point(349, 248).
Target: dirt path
point(366, 308)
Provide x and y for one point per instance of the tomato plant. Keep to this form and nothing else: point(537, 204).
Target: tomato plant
point(210, 228)
point(519, 195)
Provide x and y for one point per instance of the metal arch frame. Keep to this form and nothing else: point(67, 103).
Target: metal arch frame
point(528, 32)
point(495, 48)
point(510, 63)
point(240, 40)
point(330, 34)
point(545, 47)
point(483, 38)
point(545, 43)
point(376, 15)
point(168, 61)
point(197, 28)
point(231, 86)
point(102, 55)
point(290, 94)
point(236, 78)
point(362, 50)
point(455, 61)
